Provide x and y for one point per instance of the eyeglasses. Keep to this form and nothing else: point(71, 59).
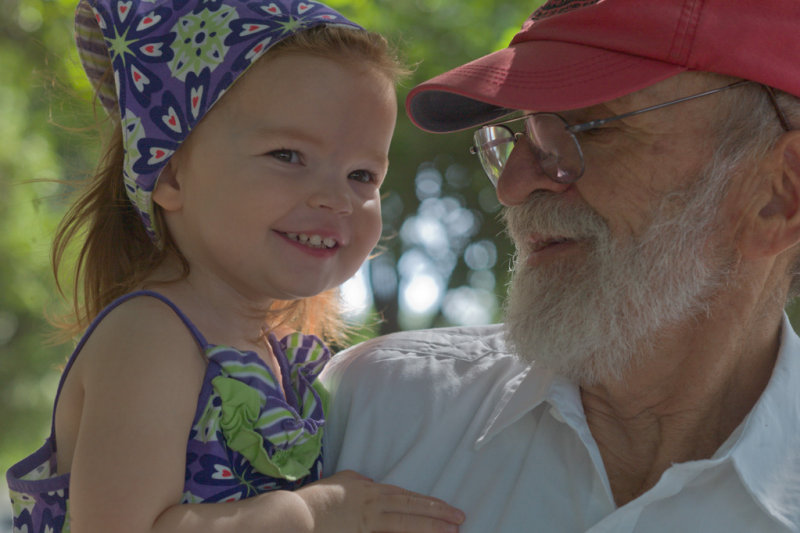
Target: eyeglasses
point(554, 140)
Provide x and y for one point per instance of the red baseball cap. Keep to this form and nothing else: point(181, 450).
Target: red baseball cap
point(577, 53)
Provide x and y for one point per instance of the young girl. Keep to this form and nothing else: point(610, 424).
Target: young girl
point(241, 187)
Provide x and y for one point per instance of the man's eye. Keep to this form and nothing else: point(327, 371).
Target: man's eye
point(287, 156)
point(363, 176)
point(596, 132)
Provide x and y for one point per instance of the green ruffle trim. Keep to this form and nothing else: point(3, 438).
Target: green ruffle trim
point(241, 408)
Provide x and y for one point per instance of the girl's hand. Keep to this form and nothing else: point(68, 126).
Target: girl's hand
point(348, 502)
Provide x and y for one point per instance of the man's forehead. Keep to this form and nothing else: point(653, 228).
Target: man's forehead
point(678, 86)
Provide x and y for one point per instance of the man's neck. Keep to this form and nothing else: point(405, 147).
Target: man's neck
point(684, 401)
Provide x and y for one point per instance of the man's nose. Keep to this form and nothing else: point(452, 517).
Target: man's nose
point(523, 175)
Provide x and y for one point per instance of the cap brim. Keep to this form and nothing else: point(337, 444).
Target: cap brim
point(530, 75)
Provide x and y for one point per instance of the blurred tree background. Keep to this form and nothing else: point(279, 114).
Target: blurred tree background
point(444, 259)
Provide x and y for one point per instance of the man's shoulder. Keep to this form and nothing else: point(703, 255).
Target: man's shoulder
point(466, 343)
point(395, 399)
point(425, 355)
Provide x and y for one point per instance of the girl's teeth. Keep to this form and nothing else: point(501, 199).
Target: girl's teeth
point(313, 240)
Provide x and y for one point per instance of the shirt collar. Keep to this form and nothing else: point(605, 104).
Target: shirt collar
point(765, 449)
point(520, 394)
point(767, 452)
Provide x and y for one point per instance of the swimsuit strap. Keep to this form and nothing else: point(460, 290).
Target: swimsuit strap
point(201, 341)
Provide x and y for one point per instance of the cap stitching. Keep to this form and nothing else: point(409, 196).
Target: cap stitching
point(498, 76)
point(685, 31)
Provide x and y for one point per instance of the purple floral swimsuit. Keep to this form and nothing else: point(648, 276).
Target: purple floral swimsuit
point(248, 435)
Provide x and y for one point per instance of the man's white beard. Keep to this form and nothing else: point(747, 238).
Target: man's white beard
point(591, 316)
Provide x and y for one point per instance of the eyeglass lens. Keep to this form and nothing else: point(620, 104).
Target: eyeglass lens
point(555, 147)
point(494, 145)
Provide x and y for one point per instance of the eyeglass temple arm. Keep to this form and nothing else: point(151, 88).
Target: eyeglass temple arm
point(577, 128)
point(774, 101)
point(595, 123)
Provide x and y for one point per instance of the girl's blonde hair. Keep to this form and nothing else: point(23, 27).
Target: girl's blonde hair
point(116, 255)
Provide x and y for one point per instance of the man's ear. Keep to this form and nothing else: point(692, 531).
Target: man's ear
point(774, 226)
point(168, 193)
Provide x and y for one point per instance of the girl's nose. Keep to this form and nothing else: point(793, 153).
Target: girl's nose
point(523, 175)
point(332, 195)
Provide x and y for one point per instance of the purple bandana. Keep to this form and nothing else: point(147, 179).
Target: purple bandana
point(172, 61)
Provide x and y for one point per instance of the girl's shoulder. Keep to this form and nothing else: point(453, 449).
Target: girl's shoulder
point(139, 333)
point(143, 314)
point(138, 362)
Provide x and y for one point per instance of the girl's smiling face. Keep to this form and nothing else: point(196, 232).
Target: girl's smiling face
point(276, 193)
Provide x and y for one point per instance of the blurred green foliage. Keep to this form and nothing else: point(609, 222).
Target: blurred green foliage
point(46, 134)
point(36, 92)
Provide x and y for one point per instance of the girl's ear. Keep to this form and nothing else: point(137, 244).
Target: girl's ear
point(776, 227)
point(168, 193)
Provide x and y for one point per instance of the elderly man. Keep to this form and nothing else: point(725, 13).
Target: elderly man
point(646, 378)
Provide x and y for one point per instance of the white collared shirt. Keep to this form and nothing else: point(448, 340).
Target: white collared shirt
point(451, 413)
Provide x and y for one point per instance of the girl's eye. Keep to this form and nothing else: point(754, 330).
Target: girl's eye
point(362, 176)
point(285, 155)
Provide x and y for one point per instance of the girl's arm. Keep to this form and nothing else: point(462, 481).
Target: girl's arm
point(140, 375)
point(343, 503)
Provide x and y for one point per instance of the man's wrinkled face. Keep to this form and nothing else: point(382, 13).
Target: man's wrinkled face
point(587, 319)
point(595, 299)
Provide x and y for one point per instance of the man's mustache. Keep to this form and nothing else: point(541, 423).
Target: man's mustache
point(551, 214)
